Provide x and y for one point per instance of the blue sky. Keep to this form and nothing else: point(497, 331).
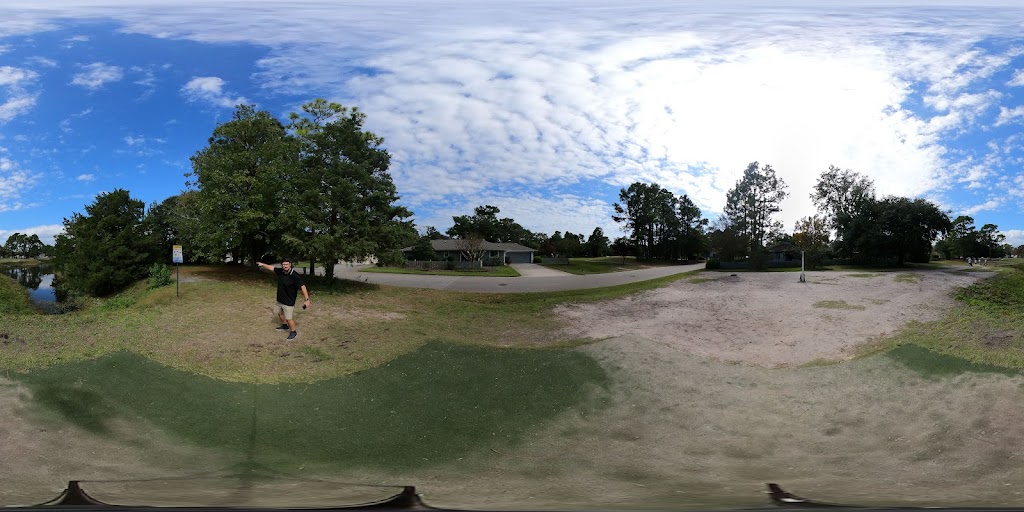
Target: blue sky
point(544, 109)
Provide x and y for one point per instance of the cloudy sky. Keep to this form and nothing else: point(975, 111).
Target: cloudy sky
point(544, 109)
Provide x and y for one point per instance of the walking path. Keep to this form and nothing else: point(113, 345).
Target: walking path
point(531, 280)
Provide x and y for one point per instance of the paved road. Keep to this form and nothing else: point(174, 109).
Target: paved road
point(524, 283)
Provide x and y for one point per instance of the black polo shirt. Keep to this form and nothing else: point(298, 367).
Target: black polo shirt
point(288, 285)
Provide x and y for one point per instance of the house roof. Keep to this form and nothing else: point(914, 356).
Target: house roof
point(455, 245)
point(783, 247)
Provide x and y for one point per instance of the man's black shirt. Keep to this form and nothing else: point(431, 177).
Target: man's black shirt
point(288, 285)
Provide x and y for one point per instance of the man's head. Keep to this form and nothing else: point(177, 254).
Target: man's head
point(286, 264)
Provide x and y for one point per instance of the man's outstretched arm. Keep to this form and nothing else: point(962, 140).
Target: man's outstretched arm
point(264, 265)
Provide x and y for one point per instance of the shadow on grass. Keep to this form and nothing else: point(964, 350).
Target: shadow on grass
point(82, 407)
point(427, 407)
point(933, 364)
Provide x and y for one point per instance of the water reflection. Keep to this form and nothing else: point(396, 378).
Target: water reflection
point(38, 280)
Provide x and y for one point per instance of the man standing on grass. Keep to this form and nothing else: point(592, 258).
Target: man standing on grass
point(289, 282)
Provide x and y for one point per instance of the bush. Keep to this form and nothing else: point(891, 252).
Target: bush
point(391, 259)
point(159, 275)
point(713, 264)
point(538, 259)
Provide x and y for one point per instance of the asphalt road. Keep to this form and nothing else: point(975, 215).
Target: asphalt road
point(532, 280)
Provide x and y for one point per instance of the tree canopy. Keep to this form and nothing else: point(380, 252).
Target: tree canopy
point(106, 249)
point(750, 205)
point(318, 187)
point(660, 224)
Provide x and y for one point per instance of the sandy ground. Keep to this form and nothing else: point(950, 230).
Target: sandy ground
point(771, 319)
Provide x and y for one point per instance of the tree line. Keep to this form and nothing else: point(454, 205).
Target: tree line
point(22, 245)
point(316, 186)
point(852, 223)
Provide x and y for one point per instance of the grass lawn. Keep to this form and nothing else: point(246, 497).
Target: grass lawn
point(583, 266)
point(502, 271)
point(425, 407)
point(13, 298)
point(19, 261)
point(222, 325)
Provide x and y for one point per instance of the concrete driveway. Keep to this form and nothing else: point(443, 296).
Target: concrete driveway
point(535, 270)
point(522, 284)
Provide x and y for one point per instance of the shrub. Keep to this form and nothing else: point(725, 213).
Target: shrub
point(159, 275)
point(713, 264)
point(538, 259)
point(390, 259)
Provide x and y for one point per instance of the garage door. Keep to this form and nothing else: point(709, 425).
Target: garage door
point(520, 257)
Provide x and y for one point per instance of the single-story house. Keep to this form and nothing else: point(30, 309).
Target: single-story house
point(507, 252)
point(784, 251)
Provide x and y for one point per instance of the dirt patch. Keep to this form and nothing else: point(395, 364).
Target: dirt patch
point(39, 452)
point(1000, 339)
point(771, 319)
point(685, 431)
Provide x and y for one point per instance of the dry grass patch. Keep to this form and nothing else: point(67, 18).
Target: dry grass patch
point(838, 304)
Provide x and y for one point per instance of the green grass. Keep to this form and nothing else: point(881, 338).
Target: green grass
point(13, 297)
point(985, 328)
point(503, 271)
point(933, 364)
point(429, 406)
point(584, 266)
point(28, 262)
point(837, 304)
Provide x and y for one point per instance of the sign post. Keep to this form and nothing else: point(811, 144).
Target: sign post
point(176, 256)
point(802, 278)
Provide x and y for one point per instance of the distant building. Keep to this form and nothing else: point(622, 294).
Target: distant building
point(506, 252)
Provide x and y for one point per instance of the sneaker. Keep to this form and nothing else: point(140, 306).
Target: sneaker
point(284, 327)
point(292, 335)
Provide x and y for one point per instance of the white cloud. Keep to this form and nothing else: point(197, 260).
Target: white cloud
point(991, 204)
point(1014, 237)
point(43, 61)
point(1017, 80)
point(46, 232)
point(16, 106)
point(210, 89)
point(18, 101)
point(14, 183)
point(12, 76)
point(86, 177)
point(97, 75)
point(132, 141)
point(1007, 115)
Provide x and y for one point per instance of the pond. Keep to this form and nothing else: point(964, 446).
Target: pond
point(38, 279)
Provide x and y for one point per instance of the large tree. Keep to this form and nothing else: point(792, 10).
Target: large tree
point(845, 200)
point(660, 224)
point(598, 244)
point(484, 223)
point(241, 176)
point(106, 249)
point(344, 203)
point(751, 204)
point(908, 227)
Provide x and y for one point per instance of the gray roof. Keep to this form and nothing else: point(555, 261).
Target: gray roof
point(455, 245)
